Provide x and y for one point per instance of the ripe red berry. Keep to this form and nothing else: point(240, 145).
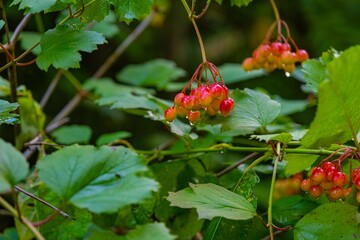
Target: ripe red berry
point(316, 191)
point(181, 111)
point(336, 193)
point(289, 68)
point(226, 106)
point(339, 179)
point(287, 57)
point(193, 116)
point(170, 114)
point(276, 48)
point(326, 165)
point(285, 47)
point(216, 90)
point(248, 64)
point(205, 98)
point(188, 102)
point(330, 172)
point(356, 182)
point(302, 55)
point(317, 175)
point(347, 191)
point(305, 185)
point(178, 98)
point(210, 111)
point(355, 172)
point(326, 185)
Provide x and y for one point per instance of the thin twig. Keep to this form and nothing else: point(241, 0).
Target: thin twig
point(44, 202)
point(20, 27)
point(51, 88)
point(235, 165)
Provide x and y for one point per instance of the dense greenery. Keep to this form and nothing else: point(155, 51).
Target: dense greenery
point(86, 152)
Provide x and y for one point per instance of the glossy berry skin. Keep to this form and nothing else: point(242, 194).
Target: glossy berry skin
point(226, 106)
point(305, 185)
point(170, 114)
point(193, 116)
point(316, 191)
point(326, 165)
point(248, 64)
point(347, 191)
point(317, 175)
point(178, 98)
point(216, 90)
point(205, 98)
point(356, 182)
point(326, 185)
point(188, 102)
point(339, 179)
point(302, 55)
point(336, 193)
point(329, 172)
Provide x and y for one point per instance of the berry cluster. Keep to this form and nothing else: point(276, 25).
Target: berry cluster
point(328, 179)
point(273, 56)
point(211, 98)
point(355, 176)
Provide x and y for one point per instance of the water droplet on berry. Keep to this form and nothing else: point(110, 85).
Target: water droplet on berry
point(287, 74)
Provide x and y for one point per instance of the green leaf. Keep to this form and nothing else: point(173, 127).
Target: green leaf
point(13, 166)
point(9, 234)
point(4, 87)
point(288, 210)
point(314, 73)
point(29, 39)
point(128, 101)
point(72, 134)
point(329, 220)
point(213, 201)
point(5, 115)
point(108, 26)
point(111, 137)
point(97, 11)
point(299, 162)
point(150, 231)
point(290, 106)
point(240, 3)
point(279, 137)
point(55, 52)
point(128, 10)
point(234, 73)
point(92, 178)
point(155, 73)
point(34, 6)
point(253, 110)
point(2, 23)
point(338, 109)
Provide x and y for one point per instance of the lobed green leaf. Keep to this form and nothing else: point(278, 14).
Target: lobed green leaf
point(60, 47)
point(213, 201)
point(13, 166)
point(102, 180)
point(338, 116)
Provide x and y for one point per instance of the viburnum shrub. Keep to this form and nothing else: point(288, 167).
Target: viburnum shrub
point(207, 98)
point(124, 167)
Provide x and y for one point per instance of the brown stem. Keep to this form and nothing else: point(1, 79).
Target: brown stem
point(51, 88)
point(235, 165)
point(20, 27)
point(45, 220)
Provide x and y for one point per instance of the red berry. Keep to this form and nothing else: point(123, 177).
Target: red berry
point(216, 90)
point(215, 104)
point(226, 106)
point(330, 172)
point(188, 102)
point(302, 55)
point(326, 165)
point(285, 47)
point(355, 172)
point(170, 114)
point(317, 175)
point(326, 185)
point(264, 50)
point(339, 179)
point(289, 68)
point(336, 193)
point(193, 116)
point(276, 48)
point(178, 98)
point(248, 64)
point(287, 57)
point(205, 98)
point(356, 182)
point(181, 111)
point(210, 111)
point(305, 185)
point(316, 191)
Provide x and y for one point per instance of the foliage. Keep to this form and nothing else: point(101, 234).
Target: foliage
point(87, 152)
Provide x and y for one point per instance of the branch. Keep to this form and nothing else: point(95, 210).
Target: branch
point(235, 165)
